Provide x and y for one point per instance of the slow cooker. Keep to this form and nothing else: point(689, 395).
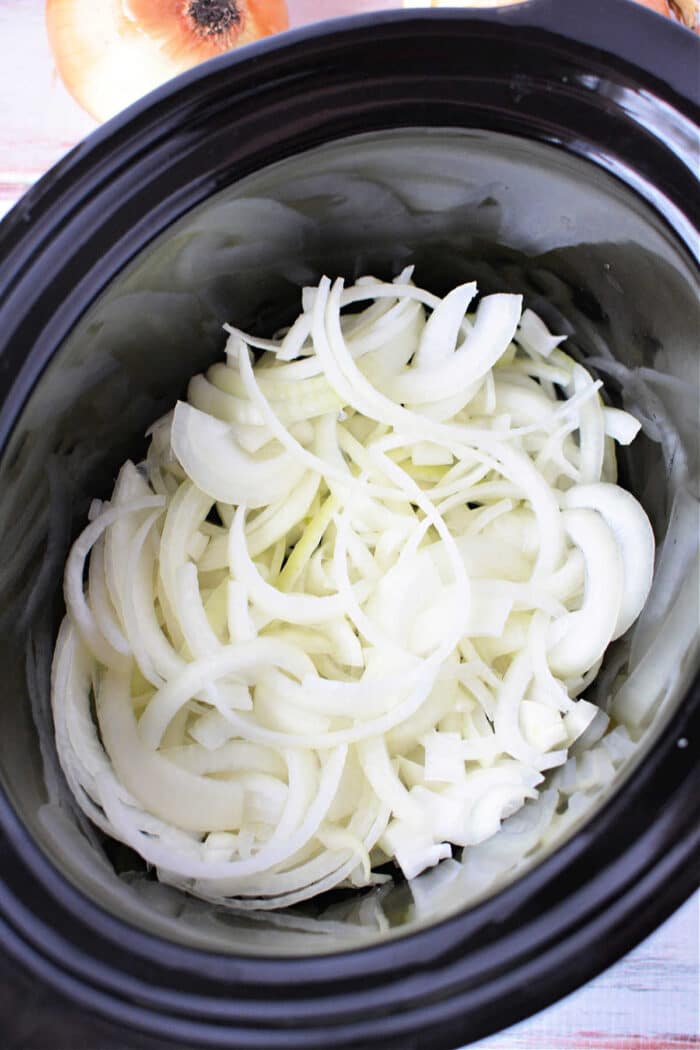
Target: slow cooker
point(550, 148)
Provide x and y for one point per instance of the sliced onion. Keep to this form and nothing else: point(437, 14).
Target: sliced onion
point(188, 801)
point(579, 639)
point(635, 539)
point(209, 454)
point(374, 652)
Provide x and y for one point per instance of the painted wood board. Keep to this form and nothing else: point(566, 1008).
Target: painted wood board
point(650, 999)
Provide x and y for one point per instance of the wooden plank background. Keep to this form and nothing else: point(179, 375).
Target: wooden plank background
point(649, 1000)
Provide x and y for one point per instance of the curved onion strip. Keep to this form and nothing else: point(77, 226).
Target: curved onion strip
point(129, 486)
point(76, 604)
point(191, 802)
point(155, 656)
point(635, 539)
point(209, 454)
point(440, 334)
point(305, 459)
point(311, 876)
point(280, 605)
point(194, 867)
point(579, 638)
point(185, 513)
point(494, 326)
point(100, 601)
point(242, 659)
point(591, 427)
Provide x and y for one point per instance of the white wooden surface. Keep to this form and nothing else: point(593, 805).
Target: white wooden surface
point(649, 1000)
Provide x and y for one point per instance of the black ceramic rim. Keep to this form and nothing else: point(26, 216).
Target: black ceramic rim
point(636, 859)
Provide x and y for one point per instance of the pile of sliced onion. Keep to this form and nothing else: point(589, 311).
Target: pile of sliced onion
point(342, 613)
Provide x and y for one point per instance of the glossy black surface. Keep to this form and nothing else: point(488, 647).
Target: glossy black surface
point(561, 78)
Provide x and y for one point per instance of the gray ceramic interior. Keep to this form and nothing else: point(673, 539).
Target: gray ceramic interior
point(589, 256)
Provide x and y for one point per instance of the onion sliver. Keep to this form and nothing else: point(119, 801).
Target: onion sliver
point(76, 605)
point(580, 638)
point(494, 327)
point(191, 802)
point(635, 540)
point(209, 454)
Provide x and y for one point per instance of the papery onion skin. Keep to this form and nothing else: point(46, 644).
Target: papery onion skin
point(109, 53)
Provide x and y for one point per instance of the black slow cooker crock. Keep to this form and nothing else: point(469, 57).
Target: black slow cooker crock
point(549, 147)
